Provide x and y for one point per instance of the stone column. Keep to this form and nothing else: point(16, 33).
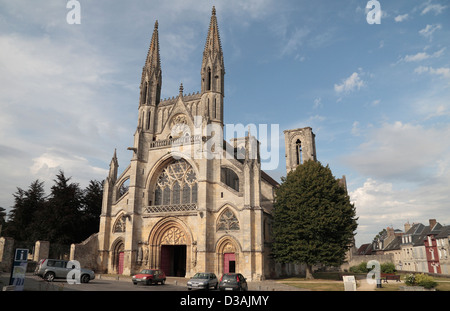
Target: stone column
point(41, 250)
point(6, 253)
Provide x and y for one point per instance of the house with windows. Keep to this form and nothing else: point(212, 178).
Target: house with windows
point(443, 249)
point(413, 248)
point(419, 251)
point(431, 249)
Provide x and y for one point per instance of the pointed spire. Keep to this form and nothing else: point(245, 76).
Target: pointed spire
point(151, 79)
point(181, 89)
point(113, 167)
point(213, 44)
point(213, 69)
point(115, 155)
point(153, 60)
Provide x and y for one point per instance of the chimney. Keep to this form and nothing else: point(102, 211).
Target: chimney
point(390, 231)
point(432, 223)
point(407, 227)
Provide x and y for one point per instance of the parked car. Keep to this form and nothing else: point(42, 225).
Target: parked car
point(50, 269)
point(233, 281)
point(150, 276)
point(203, 280)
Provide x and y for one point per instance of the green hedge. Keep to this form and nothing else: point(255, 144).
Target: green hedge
point(387, 267)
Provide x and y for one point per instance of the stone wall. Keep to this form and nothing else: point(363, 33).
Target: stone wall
point(357, 259)
point(86, 252)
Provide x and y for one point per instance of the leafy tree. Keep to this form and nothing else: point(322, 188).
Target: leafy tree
point(62, 217)
point(91, 207)
point(27, 204)
point(68, 215)
point(314, 221)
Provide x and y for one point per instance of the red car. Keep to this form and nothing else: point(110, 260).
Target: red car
point(150, 276)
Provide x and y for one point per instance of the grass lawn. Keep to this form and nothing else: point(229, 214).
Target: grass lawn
point(322, 282)
point(331, 282)
point(443, 284)
point(315, 285)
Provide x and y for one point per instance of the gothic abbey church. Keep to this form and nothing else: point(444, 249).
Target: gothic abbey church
point(177, 209)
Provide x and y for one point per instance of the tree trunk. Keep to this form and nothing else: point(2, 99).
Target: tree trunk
point(309, 274)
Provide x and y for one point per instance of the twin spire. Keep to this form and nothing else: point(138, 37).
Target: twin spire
point(211, 53)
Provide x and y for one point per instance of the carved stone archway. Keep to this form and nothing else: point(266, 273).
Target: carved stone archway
point(227, 245)
point(117, 258)
point(170, 232)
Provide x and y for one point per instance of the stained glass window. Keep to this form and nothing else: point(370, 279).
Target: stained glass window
point(177, 184)
point(176, 193)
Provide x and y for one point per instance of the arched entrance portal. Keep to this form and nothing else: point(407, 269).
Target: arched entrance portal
point(118, 257)
point(173, 252)
point(170, 248)
point(227, 252)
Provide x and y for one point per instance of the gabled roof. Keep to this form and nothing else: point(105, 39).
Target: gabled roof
point(418, 232)
point(444, 232)
point(395, 244)
point(365, 249)
point(436, 229)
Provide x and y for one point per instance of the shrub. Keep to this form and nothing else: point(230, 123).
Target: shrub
point(425, 281)
point(420, 280)
point(410, 280)
point(361, 268)
point(387, 267)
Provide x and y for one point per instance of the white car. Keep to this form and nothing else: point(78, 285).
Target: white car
point(203, 280)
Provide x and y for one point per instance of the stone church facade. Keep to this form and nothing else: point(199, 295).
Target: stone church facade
point(189, 201)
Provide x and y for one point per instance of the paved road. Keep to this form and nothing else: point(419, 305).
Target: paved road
point(103, 283)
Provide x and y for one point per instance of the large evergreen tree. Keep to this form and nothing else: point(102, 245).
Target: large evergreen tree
point(91, 208)
point(68, 215)
point(63, 215)
point(27, 205)
point(314, 221)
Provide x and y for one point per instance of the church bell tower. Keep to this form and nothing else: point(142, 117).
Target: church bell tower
point(150, 87)
point(212, 74)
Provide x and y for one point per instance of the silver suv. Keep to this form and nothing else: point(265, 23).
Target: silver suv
point(51, 269)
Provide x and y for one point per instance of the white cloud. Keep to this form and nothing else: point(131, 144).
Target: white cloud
point(46, 166)
point(318, 103)
point(428, 31)
point(423, 55)
point(436, 8)
point(401, 152)
point(381, 204)
point(401, 18)
point(443, 71)
point(355, 129)
point(375, 102)
point(295, 40)
point(352, 83)
point(408, 177)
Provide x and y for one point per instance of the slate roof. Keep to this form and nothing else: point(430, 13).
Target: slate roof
point(395, 244)
point(444, 233)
